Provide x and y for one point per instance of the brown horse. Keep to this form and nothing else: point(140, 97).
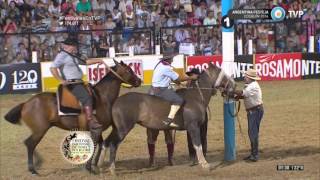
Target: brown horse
point(40, 112)
point(149, 111)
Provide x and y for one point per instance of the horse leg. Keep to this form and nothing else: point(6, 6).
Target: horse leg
point(105, 145)
point(91, 165)
point(152, 136)
point(196, 141)
point(31, 142)
point(168, 134)
point(203, 135)
point(192, 152)
point(120, 133)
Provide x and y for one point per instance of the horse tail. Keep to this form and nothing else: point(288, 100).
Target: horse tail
point(14, 115)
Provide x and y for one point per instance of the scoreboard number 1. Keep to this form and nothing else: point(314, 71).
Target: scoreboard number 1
point(226, 22)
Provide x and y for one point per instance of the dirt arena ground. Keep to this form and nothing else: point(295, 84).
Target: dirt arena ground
point(290, 135)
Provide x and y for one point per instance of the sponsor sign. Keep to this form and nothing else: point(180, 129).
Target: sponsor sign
point(96, 73)
point(20, 78)
point(285, 66)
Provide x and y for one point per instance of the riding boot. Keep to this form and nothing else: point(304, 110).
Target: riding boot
point(251, 152)
point(96, 132)
point(255, 150)
point(173, 111)
point(151, 148)
point(170, 149)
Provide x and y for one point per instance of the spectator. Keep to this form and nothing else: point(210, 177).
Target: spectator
point(110, 5)
point(169, 46)
point(207, 49)
point(129, 17)
point(18, 59)
point(13, 12)
point(66, 5)
point(102, 48)
point(293, 42)
point(192, 21)
point(83, 7)
point(181, 35)
point(109, 24)
point(262, 42)
point(54, 8)
point(155, 15)
point(98, 26)
point(124, 5)
point(85, 25)
point(10, 26)
point(25, 24)
point(40, 11)
point(310, 17)
point(39, 26)
point(201, 12)
point(174, 21)
point(117, 17)
point(210, 20)
point(144, 21)
point(167, 11)
point(23, 50)
point(176, 7)
point(99, 6)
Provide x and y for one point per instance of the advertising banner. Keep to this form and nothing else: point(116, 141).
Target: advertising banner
point(20, 78)
point(285, 66)
point(95, 74)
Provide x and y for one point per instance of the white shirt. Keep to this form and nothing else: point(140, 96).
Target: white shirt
point(163, 75)
point(252, 95)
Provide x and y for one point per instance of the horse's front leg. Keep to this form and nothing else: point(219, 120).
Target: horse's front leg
point(194, 132)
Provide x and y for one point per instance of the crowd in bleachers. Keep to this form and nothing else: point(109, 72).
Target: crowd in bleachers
point(176, 18)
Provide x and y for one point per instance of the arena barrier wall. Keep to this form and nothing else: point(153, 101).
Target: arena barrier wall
point(142, 65)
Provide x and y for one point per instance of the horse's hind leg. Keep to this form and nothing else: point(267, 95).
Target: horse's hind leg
point(196, 141)
point(31, 142)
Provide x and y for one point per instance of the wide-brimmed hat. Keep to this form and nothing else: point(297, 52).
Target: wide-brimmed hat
point(71, 41)
point(252, 74)
point(167, 57)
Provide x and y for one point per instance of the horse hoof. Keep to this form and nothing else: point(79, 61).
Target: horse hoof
point(206, 166)
point(152, 163)
point(34, 172)
point(170, 162)
point(113, 172)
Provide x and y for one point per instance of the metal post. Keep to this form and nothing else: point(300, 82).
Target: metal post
point(227, 65)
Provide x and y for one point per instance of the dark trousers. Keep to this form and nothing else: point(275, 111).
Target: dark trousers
point(167, 94)
point(81, 94)
point(254, 119)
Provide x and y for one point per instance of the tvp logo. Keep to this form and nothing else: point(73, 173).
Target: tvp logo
point(278, 13)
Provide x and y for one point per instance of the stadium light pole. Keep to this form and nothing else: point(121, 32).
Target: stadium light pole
point(227, 66)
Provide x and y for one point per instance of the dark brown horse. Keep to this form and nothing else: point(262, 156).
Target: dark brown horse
point(152, 135)
point(149, 111)
point(40, 112)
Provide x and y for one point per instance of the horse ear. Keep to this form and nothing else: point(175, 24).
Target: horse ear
point(115, 62)
point(121, 62)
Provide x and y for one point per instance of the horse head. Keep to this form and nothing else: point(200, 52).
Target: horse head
point(219, 79)
point(126, 74)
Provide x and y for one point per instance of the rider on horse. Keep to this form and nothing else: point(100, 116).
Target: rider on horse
point(71, 76)
point(163, 75)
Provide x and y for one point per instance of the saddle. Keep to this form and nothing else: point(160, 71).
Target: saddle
point(67, 103)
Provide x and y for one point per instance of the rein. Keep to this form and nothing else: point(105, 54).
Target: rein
point(115, 73)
